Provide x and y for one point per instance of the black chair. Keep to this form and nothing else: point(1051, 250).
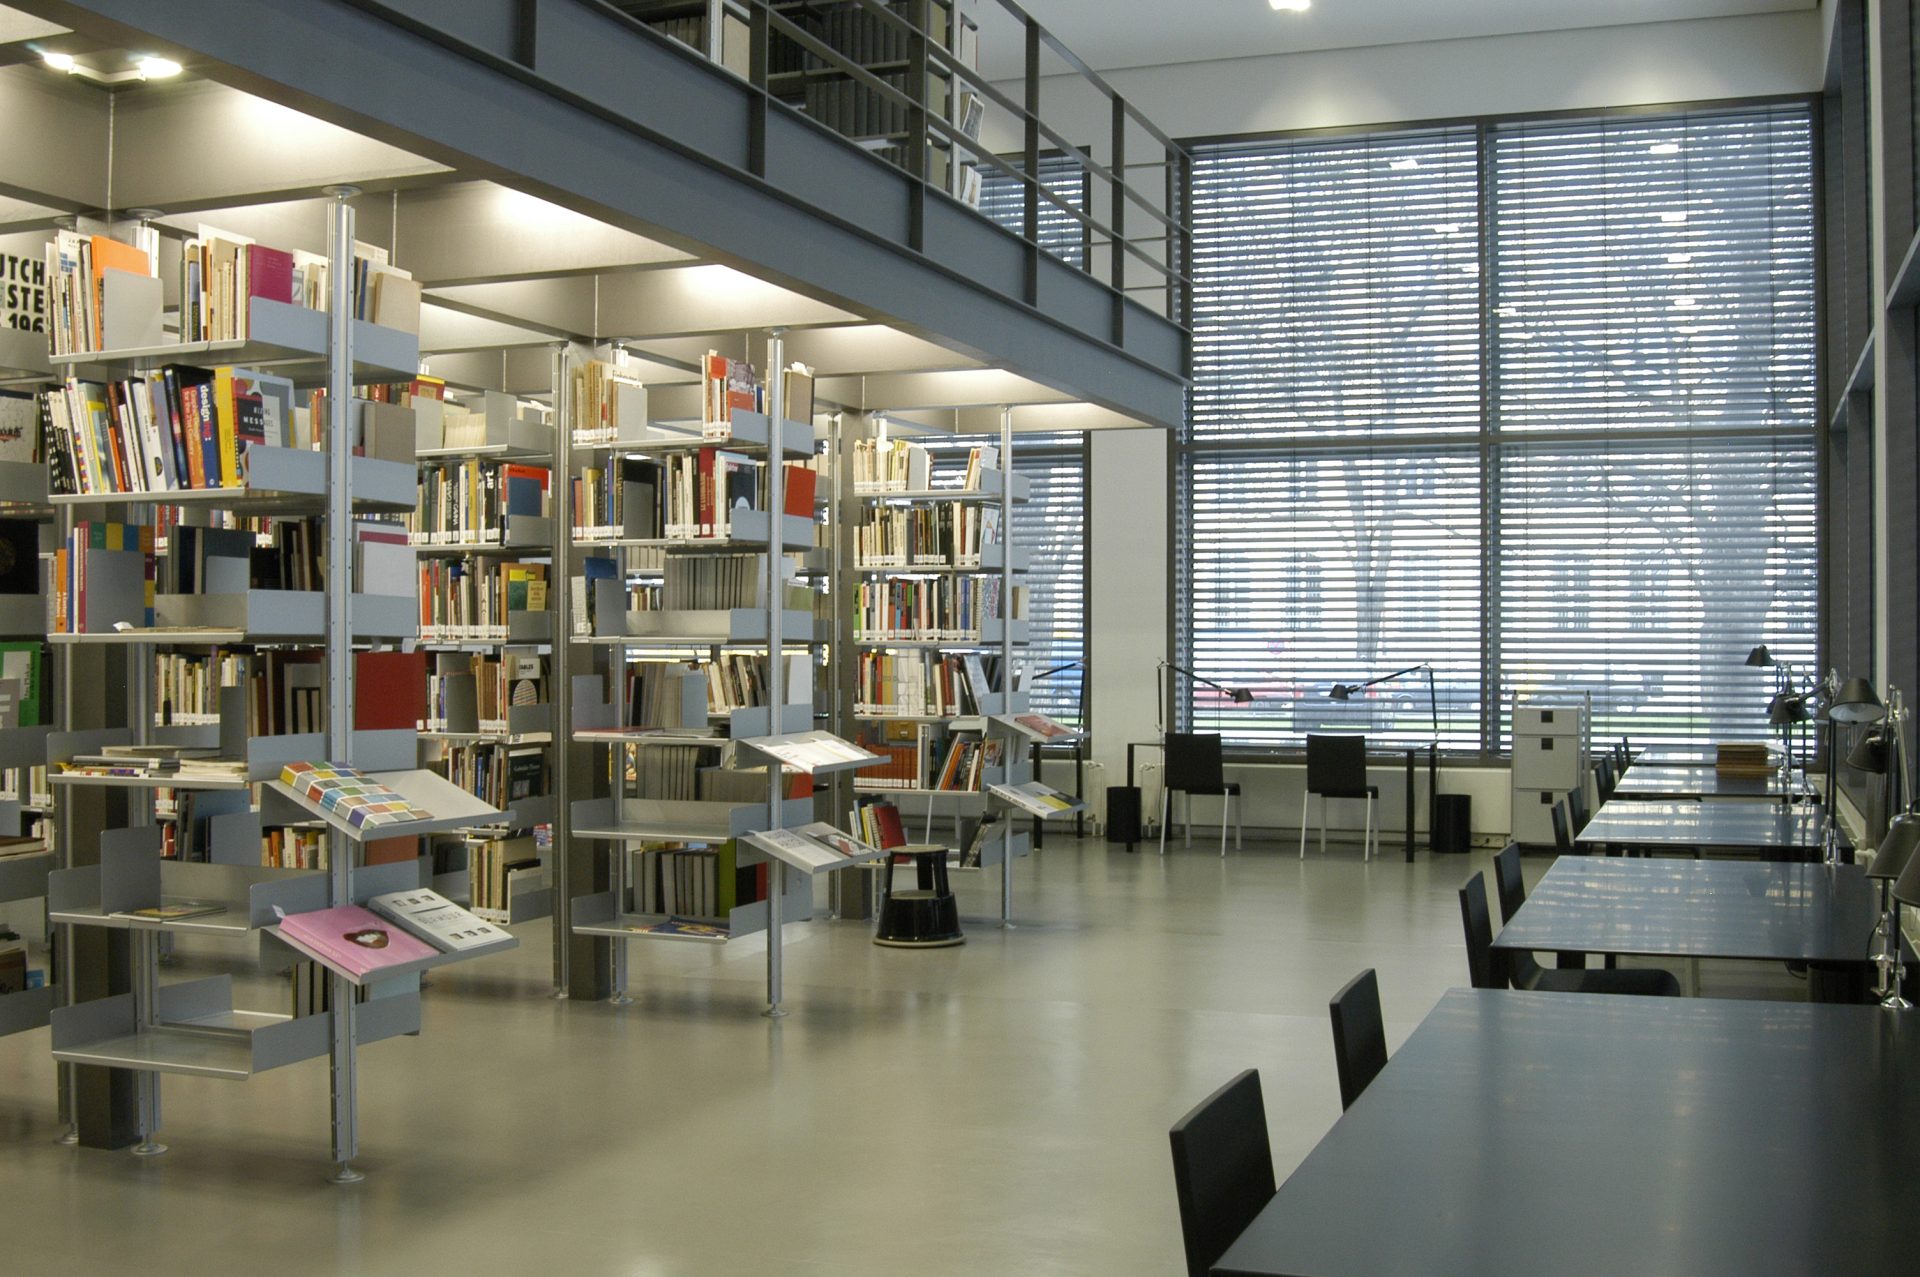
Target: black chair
point(1625, 753)
point(1577, 809)
point(1562, 833)
point(1605, 777)
point(1195, 766)
point(1508, 882)
point(1359, 1039)
point(1222, 1169)
point(1525, 973)
point(1337, 768)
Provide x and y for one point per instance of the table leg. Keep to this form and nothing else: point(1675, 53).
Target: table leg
point(1143, 811)
point(1410, 806)
point(1080, 788)
point(1433, 795)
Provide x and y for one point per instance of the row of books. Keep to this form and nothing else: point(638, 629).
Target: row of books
point(685, 496)
point(103, 575)
point(473, 691)
point(462, 601)
point(221, 272)
point(494, 865)
point(917, 684)
point(293, 849)
point(470, 501)
point(672, 773)
point(927, 756)
point(948, 535)
point(180, 429)
point(26, 785)
point(607, 404)
point(899, 465)
point(77, 267)
point(704, 582)
point(705, 883)
point(955, 608)
point(499, 775)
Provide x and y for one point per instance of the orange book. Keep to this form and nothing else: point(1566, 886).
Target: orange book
point(110, 254)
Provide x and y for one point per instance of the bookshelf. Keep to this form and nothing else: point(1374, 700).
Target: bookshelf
point(484, 512)
point(207, 614)
point(934, 577)
point(681, 618)
point(25, 814)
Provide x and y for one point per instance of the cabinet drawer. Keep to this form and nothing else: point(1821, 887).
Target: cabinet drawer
point(1546, 762)
point(1533, 816)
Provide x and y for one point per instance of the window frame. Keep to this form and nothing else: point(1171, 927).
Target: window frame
point(1181, 445)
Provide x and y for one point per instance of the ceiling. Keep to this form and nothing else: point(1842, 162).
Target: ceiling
point(1108, 35)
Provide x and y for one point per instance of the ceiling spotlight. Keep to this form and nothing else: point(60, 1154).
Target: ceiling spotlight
point(60, 62)
point(1290, 6)
point(152, 68)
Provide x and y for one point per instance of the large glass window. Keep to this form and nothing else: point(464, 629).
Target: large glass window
point(1003, 199)
point(1531, 402)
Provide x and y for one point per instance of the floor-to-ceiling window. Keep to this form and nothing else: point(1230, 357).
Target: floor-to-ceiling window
point(1528, 402)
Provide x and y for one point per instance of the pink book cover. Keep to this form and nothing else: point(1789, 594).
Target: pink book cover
point(270, 273)
point(354, 941)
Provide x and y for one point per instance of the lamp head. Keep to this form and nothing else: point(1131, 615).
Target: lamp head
point(1895, 852)
point(1340, 692)
point(1906, 888)
point(1760, 656)
point(1856, 702)
point(1240, 696)
point(1787, 709)
point(1870, 753)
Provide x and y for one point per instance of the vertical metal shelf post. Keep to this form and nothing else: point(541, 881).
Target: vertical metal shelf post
point(561, 603)
point(1006, 649)
point(343, 1063)
point(776, 616)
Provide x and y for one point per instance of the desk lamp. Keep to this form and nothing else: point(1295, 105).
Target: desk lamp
point(1854, 702)
point(1895, 863)
point(1345, 691)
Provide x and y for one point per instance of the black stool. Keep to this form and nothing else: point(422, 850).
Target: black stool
point(927, 917)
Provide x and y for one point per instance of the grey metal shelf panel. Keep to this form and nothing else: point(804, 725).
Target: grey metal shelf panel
point(23, 482)
point(748, 432)
point(452, 807)
point(24, 746)
point(286, 481)
point(521, 629)
point(992, 483)
point(720, 628)
point(23, 356)
point(749, 532)
point(101, 895)
point(23, 876)
point(27, 1010)
point(522, 534)
point(599, 915)
point(289, 341)
point(257, 616)
point(199, 1033)
point(655, 820)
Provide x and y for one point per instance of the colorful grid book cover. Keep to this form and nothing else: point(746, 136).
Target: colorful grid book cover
point(350, 794)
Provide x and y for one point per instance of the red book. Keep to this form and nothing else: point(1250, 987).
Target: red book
point(703, 494)
point(887, 819)
point(269, 273)
point(389, 691)
point(800, 481)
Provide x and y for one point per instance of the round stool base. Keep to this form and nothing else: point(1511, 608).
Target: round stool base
point(919, 920)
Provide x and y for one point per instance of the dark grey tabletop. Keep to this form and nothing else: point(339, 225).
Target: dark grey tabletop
point(1644, 781)
point(1550, 1134)
point(1753, 825)
point(1698, 909)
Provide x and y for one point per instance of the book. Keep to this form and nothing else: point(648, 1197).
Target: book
point(841, 842)
point(810, 751)
point(350, 794)
point(352, 941)
point(20, 421)
point(437, 920)
point(1035, 798)
point(21, 845)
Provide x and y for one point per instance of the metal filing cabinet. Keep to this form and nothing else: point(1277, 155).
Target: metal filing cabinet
point(1552, 741)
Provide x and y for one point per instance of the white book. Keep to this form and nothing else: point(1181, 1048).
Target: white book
point(437, 920)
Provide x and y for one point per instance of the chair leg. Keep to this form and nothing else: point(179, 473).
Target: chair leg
point(1166, 797)
point(1226, 808)
point(1306, 796)
point(1239, 836)
point(1186, 801)
point(1366, 835)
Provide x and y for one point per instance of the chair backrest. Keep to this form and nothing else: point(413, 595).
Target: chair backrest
point(1193, 761)
point(1577, 810)
point(1603, 777)
point(1359, 1039)
point(1622, 754)
point(1507, 881)
point(1222, 1169)
point(1562, 832)
point(1336, 764)
point(1478, 926)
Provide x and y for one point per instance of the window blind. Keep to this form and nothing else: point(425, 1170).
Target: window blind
point(1051, 527)
point(1003, 200)
point(1563, 444)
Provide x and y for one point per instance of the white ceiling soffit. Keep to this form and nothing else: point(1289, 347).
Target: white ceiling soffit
point(1027, 419)
point(16, 26)
point(20, 214)
point(1108, 35)
point(672, 301)
point(471, 232)
point(839, 351)
point(957, 388)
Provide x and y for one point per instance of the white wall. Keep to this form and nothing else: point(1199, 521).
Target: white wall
point(1603, 67)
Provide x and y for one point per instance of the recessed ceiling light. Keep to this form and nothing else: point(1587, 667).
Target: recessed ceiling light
point(1664, 148)
point(153, 68)
point(1290, 6)
point(1402, 164)
point(60, 61)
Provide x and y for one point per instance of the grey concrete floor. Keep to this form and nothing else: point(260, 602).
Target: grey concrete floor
point(997, 1108)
